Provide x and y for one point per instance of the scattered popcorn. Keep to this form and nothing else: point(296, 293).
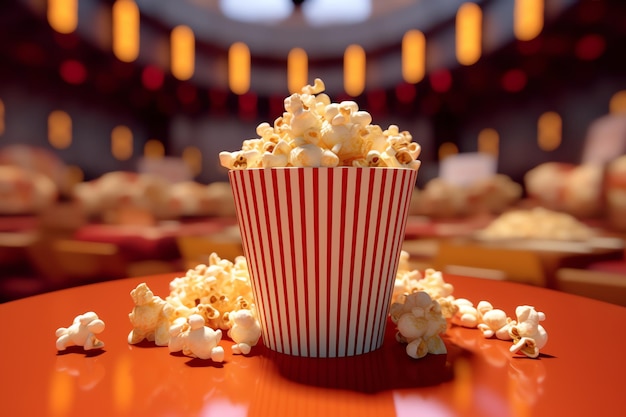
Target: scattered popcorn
point(466, 314)
point(214, 290)
point(493, 321)
point(313, 132)
point(409, 281)
point(219, 293)
point(82, 332)
point(528, 335)
point(420, 324)
point(146, 316)
point(196, 340)
point(245, 331)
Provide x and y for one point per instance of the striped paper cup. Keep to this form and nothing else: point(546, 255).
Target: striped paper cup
point(322, 246)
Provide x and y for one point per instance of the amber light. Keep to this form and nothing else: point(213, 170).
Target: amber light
point(193, 158)
point(122, 143)
point(153, 148)
point(489, 141)
point(59, 129)
point(549, 131)
point(354, 70)
point(617, 105)
point(447, 149)
point(297, 70)
point(468, 33)
point(126, 30)
point(413, 56)
point(63, 15)
point(527, 19)
point(183, 52)
point(239, 68)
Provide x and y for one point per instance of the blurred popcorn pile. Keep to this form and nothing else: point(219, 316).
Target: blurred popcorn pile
point(163, 199)
point(442, 199)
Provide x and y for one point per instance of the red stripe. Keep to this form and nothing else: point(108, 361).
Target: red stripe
point(329, 254)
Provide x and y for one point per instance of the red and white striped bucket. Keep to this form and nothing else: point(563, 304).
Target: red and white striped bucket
point(322, 246)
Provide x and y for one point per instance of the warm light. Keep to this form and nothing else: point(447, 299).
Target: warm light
point(125, 30)
point(193, 158)
point(239, 68)
point(468, 33)
point(297, 70)
point(447, 149)
point(617, 105)
point(183, 52)
point(549, 131)
point(74, 175)
point(154, 149)
point(527, 19)
point(2, 118)
point(61, 393)
point(59, 129)
point(413, 56)
point(123, 385)
point(463, 386)
point(489, 142)
point(63, 15)
point(122, 143)
point(354, 70)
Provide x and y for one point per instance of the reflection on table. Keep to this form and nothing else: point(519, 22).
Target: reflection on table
point(578, 373)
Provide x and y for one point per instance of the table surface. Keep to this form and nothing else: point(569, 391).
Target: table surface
point(580, 371)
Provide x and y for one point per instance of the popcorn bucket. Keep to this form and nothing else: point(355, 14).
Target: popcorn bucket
point(322, 246)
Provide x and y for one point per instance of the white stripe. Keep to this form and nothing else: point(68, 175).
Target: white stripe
point(322, 330)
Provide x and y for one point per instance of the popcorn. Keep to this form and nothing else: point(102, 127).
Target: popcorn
point(313, 132)
point(82, 332)
point(466, 314)
point(219, 293)
point(493, 321)
point(196, 340)
point(537, 223)
point(420, 324)
point(146, 315)
point(245, 331)
point(528, 335)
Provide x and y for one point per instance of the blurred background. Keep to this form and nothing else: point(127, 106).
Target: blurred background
point(113, 112)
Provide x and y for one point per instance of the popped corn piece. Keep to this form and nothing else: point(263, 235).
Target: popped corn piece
point(245, 330)
point(82, 332)
point(311, 155)
point(466, 314)
point(146, 314)
point(196, 340)
point(493, 321)
point(528, 335)
point(420, 324)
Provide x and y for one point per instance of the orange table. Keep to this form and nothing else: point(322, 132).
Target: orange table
point(579, 373)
